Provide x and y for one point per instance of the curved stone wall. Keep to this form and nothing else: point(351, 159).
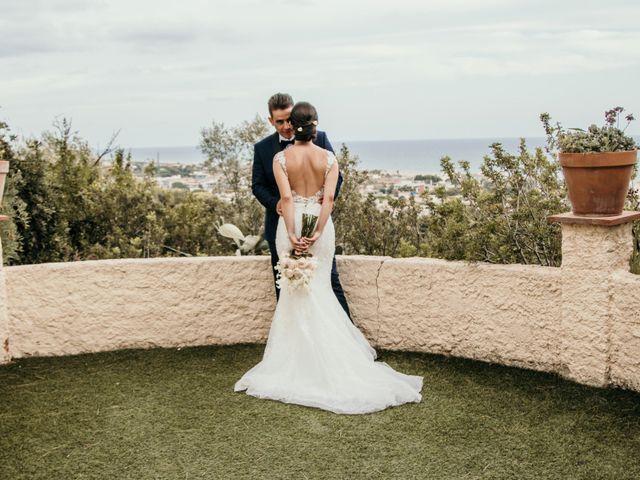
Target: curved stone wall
point(581, 320)
point(67, 308)
point(500, 313)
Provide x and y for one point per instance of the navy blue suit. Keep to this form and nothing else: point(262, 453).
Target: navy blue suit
point(265, 189)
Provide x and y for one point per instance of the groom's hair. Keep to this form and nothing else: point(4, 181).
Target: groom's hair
point(279, 101)
point(304, 120)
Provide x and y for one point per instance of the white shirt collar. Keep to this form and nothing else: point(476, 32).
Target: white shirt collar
point(282, 139)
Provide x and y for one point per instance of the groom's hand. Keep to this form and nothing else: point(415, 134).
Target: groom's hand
point(279, 207)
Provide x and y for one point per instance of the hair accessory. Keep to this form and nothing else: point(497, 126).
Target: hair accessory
point(315, 122)
point(299, 129)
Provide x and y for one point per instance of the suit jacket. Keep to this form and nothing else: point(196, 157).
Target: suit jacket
point(263, 182)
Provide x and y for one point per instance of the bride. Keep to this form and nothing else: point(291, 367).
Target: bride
point(315, 356)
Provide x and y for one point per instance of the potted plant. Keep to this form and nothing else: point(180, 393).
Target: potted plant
point(597, 163)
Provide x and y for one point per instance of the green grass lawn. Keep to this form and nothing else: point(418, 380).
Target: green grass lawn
point(168, 413)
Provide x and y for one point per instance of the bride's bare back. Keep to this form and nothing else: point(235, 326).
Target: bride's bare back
point(306, 168)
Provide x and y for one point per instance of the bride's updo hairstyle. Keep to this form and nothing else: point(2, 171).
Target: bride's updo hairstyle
point(304, 120)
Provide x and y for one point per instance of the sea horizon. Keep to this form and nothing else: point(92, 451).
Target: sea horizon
point(408, 156)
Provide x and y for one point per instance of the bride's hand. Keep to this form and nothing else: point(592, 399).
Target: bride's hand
point(298, 244)
point(311, 240)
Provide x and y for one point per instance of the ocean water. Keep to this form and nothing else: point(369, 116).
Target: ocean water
point(418, 156)
point(423, 156)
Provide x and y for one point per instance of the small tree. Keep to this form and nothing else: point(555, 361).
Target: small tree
point(364, 228)
point(12, 205)
point(503, 218)
point(229, 152)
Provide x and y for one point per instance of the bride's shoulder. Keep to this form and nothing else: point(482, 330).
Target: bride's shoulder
point(279, 158)
point(331, 157)
point(328, 159)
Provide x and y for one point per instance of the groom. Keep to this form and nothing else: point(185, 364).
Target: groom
point(264, 185)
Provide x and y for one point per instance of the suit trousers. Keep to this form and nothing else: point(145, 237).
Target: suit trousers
point(335, 279)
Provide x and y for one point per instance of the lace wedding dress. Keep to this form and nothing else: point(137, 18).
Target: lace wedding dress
point(315, 356)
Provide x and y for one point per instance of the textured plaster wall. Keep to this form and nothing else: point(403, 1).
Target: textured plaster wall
point(506, 314)
point(501, 313)
point(580, 320)
point(66, 308)
point(624, 354)
point(5, 355)
point(600, 306)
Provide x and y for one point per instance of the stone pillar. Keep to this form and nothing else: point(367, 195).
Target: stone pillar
point(593, 249)
point(5, 355)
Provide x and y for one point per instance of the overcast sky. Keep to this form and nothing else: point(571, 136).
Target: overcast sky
point(160, 71)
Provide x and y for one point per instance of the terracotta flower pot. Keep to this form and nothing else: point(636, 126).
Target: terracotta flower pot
point(597, 183)
point(4, 169)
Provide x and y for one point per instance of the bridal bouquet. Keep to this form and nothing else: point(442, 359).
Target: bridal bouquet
point(296, 272)
point(296, 268)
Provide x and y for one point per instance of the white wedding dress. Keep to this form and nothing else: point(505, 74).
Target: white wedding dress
point(314, 355)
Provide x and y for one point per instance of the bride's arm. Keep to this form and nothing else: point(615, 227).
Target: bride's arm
point(327, 201)
point(286, 199)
